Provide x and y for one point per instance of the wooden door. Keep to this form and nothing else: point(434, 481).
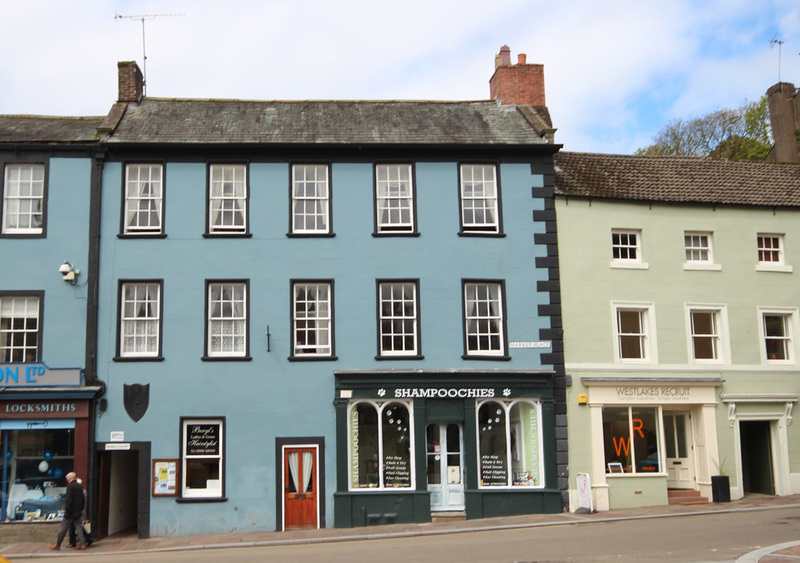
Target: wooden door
point(300, 488)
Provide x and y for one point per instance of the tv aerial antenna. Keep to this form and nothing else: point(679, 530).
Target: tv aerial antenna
point(779, 42)
point(143, 18)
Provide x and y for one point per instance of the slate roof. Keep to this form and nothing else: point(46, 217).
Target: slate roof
point(157, 120)
point(43, 129)
point(675, 179)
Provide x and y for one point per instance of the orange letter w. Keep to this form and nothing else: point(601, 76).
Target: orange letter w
point(623, 445)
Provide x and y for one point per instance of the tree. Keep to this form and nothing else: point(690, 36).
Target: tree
point(741, 133)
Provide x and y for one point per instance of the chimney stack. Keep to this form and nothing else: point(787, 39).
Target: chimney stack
point(520, 84)
point(784, 116)
point(131, 82)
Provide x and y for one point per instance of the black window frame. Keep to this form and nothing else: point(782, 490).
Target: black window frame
point(24, 159)
point(471, 231)
point(207, 357)
point(123, 199)
point(414, 231)
point(159, 357)
point(222, 234)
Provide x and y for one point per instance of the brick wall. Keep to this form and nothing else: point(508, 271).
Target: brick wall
point(521, 83)
point(131, 83)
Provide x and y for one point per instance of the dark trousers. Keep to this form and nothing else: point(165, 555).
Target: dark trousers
point(73, 538)
point(67, 523)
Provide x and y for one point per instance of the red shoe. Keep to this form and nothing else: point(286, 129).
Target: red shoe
point(80, 546)
point(54, 546)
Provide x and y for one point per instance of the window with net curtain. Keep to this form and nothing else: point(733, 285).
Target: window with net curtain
point(381, 445)
point(310, 199)
point(227, 203)
point(141, 319)
point(227, 319)
point(19, 328)
point(144, 198)
point(23, 199)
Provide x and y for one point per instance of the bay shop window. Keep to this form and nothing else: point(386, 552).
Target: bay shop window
point(509, 444)
point(631, 440)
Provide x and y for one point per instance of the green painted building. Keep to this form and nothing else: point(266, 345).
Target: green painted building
point(680, 310)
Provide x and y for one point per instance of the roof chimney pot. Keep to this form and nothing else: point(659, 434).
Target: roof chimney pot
point(519, 84)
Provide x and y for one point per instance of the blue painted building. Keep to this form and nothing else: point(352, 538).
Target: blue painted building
point(319, 314)
point(49, 182)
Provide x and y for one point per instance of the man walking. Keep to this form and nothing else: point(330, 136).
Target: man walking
point(73, 512)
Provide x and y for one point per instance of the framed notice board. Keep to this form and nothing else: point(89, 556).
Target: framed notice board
point(165, 477)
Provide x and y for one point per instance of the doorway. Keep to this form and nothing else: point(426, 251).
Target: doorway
point(445, 465)
point(678, 437)
point(300, 487)
point(757, 467)
point(123, 489)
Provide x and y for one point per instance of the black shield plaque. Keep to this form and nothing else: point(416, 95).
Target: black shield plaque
point(137, 399)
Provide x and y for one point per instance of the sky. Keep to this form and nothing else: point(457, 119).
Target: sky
point(616, 71)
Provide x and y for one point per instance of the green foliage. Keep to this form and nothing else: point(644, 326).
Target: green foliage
point(742, 133)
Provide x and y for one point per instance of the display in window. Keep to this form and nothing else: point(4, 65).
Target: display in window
point(509, 444)
point(631, 440)
point(35, 463)
point(380, 446)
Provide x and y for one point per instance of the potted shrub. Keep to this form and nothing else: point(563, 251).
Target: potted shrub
point(721, 485)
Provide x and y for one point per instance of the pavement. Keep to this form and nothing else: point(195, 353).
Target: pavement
point(129, 543)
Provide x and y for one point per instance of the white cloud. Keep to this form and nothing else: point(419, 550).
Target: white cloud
point(615, 71)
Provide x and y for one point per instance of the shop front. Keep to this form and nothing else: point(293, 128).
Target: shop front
point(471, 444)
point(44, 431)
point(651, 436)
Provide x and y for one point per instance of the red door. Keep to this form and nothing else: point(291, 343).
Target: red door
point(299, 488)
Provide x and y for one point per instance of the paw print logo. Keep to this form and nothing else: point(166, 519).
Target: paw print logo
point(381, 392)
point(506, 392)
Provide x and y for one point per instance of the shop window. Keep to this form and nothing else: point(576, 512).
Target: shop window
point(203, 456)
point(19, 328)
point(381, 446)
point(631, 440)
point(35, 462)
point(509, 444)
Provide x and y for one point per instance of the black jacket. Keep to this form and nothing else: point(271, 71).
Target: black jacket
point(73, 503)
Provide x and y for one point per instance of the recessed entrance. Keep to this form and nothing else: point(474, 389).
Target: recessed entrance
point(757, 470)
point(445, 466)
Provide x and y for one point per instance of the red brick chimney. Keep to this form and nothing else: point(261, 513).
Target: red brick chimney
point(784, 116)
point(131, 82)
point(519, 84)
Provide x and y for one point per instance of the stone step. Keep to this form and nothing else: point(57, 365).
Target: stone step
point(685, 496)
point(449, 516)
